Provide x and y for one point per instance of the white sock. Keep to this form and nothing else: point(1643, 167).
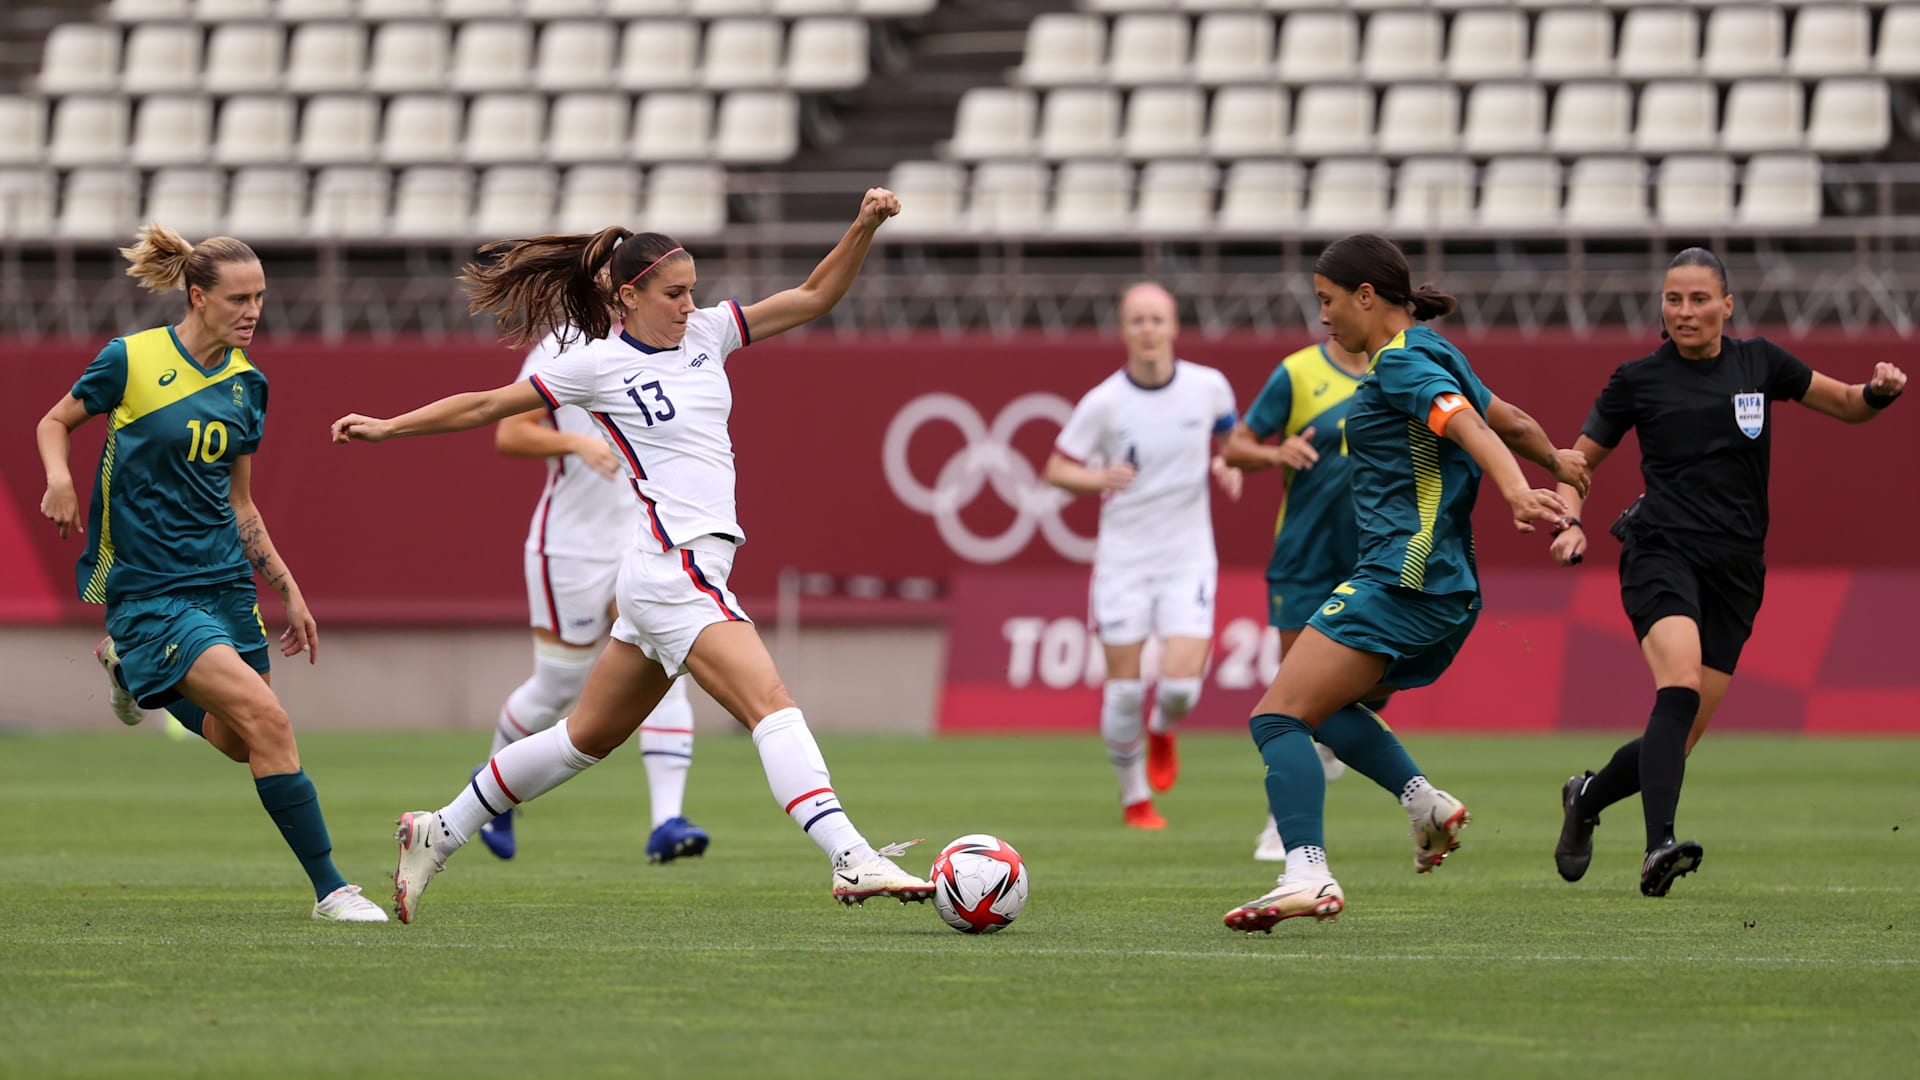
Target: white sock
point(1120, 702)
point(1173, 699)
point(666, 748)
point(797, 775)
point(1415, 788)
point(1307, 861)
point(559, 674)
point(522, 772)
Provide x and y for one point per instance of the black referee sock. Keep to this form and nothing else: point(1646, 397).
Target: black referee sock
point(1619, 779)
point(1663, 759)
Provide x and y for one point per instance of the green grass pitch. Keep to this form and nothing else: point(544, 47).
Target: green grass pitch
point(151, 923)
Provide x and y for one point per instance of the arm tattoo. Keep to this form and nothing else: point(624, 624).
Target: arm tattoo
point(259, 551)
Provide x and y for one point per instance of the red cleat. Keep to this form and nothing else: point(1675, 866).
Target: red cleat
point(1163, 761)
point(1141, 815)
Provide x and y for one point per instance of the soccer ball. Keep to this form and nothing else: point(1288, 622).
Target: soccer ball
point(979, 884)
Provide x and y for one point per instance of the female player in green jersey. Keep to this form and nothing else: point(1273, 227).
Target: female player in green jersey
point(174, 537)
point(1420, 431)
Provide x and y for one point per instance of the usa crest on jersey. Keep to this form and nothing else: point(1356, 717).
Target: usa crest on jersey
point(1750, 412)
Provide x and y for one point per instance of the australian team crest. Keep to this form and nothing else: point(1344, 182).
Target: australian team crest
point(1750, 411)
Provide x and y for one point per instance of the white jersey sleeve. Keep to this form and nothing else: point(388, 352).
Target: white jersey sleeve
point(571, 377)
point(1079, 440)
point(1226, 413)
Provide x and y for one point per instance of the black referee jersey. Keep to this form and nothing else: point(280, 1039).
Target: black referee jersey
point(1705, 436)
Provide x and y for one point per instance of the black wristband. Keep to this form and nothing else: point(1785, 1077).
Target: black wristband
point(1876, 400)
point(1563, 526)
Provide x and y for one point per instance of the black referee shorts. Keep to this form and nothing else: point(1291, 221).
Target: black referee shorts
point(1719, 589)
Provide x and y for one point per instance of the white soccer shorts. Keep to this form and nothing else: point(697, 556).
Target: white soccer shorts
point(571, 597)
point(667, 598)
point(1127, 608)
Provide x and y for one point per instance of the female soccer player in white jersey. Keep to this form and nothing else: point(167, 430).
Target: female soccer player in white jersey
point(659, 393)
point(1143, 440)
point(582, 527)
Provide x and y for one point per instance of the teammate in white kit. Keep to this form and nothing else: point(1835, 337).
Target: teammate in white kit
point(582, 527)
point(1145, 440)
point(658, 391)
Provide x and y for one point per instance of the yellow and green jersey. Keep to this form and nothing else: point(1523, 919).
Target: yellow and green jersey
point(1315, 541)
point(161, 518)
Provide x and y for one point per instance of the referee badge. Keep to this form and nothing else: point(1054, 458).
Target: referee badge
point(1750, 410)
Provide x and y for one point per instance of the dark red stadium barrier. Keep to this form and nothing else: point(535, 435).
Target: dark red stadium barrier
point(429, 530)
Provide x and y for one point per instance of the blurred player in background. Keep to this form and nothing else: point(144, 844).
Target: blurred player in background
point(1692, 557)
point(1420, 431)
point(659, 390)
point(174, 536)
point(1143, 440)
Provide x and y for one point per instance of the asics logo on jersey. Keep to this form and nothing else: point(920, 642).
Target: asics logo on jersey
point(988, 460)
point(169, 375)
point(1322, 388)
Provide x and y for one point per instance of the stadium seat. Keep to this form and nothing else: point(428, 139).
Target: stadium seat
point(23, 130)
point(791, 9)
point(1092, 198)
point(714, 9)
point(191, 202)
point(1419, 118)
point(1590, 117)
point(79, 58)
point(1348, 193)
point(296, 11)
point(1573, 43)
point(1165, 122)
point(1079, 122)
point(99, 204)
point(686, 200)
point(1848, 116)
point(1694, 190)
point(145, 11)
point(1830, 41)
point(994, 122)
point(338, 129)
point(1233, 47)
point(171, 129)
point(515, 200)
point(672, 125)
point(827, 54)
point(432, 202)
point(626, 9)
point(26, 203)
point(254, 131)
point(505, 129)
point(1520, 193)
point(658, 54)
point(1147, 49)
point(161, 58)
point(323, 57)
point(267, 203)
point(245, 58)
point(1116, 7)
point(409, 56)
point(1401, 46)
point(741, 54)
point(1487, 43)
point(1677, 116)
point(1607, 193)
point(88, 131)
point(1064, 49)
point(931, 196)
point(543, 10)
point(461, 10)
point(579, 54)
point(1176, 196)
point(1261, 196)
point(491, 56)
point(1333, 118)
point(593, 197)
point(349, 203)
point(757, 127)
point(894, 9)
point(1763, 114)
point(1319, 46)
point(1433, 193)
point(1505, 118)
point(421, 129)
point(1658, 43)
point(1744, 41)
point(1780, 189)
point(1898, 55)
point(588, 127)
point(1008, 197)
point(221, 11)
point(1248, 122)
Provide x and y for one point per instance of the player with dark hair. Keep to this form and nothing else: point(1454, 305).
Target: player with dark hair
point(1692, 557)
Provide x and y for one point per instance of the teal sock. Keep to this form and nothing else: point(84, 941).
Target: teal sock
point(295, 807)
point(1296, 783)
point(1358, 736)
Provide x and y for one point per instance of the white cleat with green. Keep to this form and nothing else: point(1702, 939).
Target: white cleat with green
point(345, 904)
point(124, 707)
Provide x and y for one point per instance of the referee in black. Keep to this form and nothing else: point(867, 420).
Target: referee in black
point(1692, 566)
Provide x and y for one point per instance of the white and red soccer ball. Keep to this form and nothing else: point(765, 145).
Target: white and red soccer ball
point(979, 884)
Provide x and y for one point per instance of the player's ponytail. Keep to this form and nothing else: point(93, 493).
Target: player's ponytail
point(1429, 302)
point(1372, 259)
point(546, 283)
point(162, 260)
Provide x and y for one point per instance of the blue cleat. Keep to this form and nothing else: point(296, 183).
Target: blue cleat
point(498, 833)
point(675, 837)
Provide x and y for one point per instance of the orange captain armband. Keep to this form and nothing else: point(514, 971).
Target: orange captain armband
point(1445, 408)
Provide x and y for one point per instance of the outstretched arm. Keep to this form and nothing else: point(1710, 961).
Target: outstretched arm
point(302, 634)
point(830, 280)
point(1462, 426)
point(523, 435)
point(1860, 402)
point(60, 504)
point(1524, 436)
point(461, 412)
point(1569, 539)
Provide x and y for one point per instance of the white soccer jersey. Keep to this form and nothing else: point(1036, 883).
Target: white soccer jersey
point(581, 514)
point(1164, 519)
point(664, 411)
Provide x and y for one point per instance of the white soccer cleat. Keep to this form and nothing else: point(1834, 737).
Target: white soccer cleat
point(1271, 847)
point(124, 707)
point(1437, 820)
point(878, 875)
point(345, 904)
point(1332, 766)
point(420, 860)
point(1318, 897)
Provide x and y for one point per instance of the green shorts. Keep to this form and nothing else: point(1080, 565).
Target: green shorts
point(1291, 603)
point(1420, 634)
point(159, 637)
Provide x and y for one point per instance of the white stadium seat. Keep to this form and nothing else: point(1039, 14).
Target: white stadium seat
point(88, 131)
point(1347, 193)
point(579, 54)
point(409, 56)
point(23, 129)
point(505, 129)
point(588, 127)
point(1261, 196)
point(1433, 193)
point(1763, 114)
point(220, 11)
point(713, 9)
point(1573, 43)
point(491, 56)
point(1830, 41)
point(1780, 189)
point(244, 58)
point(255, 131)
point(593, 197)
point(421, 129)
point(26, 203)
point(1607, 193)
point(324, 57)
point(1850, 116)
point(1063, 49)
point(1401, 46)
point(1658, 43)
point(339, 129)
point(827, 54)
point(1520, 193)
point(1590, 118)
point(894, 9)
point(1092, 198)
point(1165, 122)
point(1079, 122)
point(1419, 118)
point(932, 194)
point(1318, 46)
point(458, 10)
point(542, 10)
point(432, 202)
point(1487, 43)
point(349, 203)
point(171, 129)
point(143, 11)
point(1694, 190)
point(295, 11)
point(267, 203)
point(191, 202)
point(1744, 41)
point(79, 57)
point(1677, 116)
point(686, 200)
point(515, 200)
point(1505, 118)
point(1248, 122)
point(1176, 196)
point(99, 204)
point(161, 58)
point(741, 54)
point(1147, 49)
point(660, 54)
point(1008, 197)
point(994, 122)
point(1233, 47)
point(1898, 55)
point(802, 8)
point(1333, 118)
point(757, 127)
point(672, 125)
point(626, 9)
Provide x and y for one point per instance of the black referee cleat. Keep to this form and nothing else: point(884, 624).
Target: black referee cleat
point(1575, 849)
point(1673, 859)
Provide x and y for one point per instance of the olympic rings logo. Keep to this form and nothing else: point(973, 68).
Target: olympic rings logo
point(988, 460)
